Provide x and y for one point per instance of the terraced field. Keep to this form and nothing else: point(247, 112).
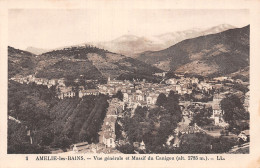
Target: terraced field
point(79, 119)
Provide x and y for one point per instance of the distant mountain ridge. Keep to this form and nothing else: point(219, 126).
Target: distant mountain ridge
point(36, 51)
point(131, 45)
point(215, 54)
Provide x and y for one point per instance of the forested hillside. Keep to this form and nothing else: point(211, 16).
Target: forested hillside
point(20, 62)
point(85, 62)
point(52, 123)
point(29, 104)
point(90, 63)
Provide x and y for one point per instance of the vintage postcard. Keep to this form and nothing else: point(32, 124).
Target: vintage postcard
point(130, 84)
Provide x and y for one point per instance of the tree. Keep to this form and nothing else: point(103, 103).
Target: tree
point(119, 95)
point(172, 107)
point(203, 143)
point(16, 136)
point(240, 87)
point(233, 109)
point(18, 141)
point(62, 142)
point(195, 143)
point(222, 144)
point(161, 100)
point(69, 80)
point(233, 112)
point(140, 113)
point(126, 149)
point(173, 97)
point(45, 137)
point(201, 118)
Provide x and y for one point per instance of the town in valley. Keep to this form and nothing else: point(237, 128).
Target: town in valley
point(194, 96)
point(183, 92)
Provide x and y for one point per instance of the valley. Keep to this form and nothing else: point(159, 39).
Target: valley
point(189, 97)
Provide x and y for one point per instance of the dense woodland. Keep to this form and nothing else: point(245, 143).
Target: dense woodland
point(52, 123)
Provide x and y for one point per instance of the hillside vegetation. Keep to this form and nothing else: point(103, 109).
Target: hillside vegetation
point(92, 63)
point(78, 119)
point(20, 62)
point(211, 55)
point(85, 62)
point(52, 123)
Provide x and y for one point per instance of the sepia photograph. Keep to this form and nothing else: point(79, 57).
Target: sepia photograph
point(128, 81)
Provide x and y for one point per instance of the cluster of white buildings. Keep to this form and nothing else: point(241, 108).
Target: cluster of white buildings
point(62, 90)
point(138, 93)
point(39, 81)
point(145, 94)
point(134, 93)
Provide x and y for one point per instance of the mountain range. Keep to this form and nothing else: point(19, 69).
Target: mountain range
point(216, 54)
point(132, 45)
point(210, 55)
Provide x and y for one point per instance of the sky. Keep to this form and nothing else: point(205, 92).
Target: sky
point(53, 28)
